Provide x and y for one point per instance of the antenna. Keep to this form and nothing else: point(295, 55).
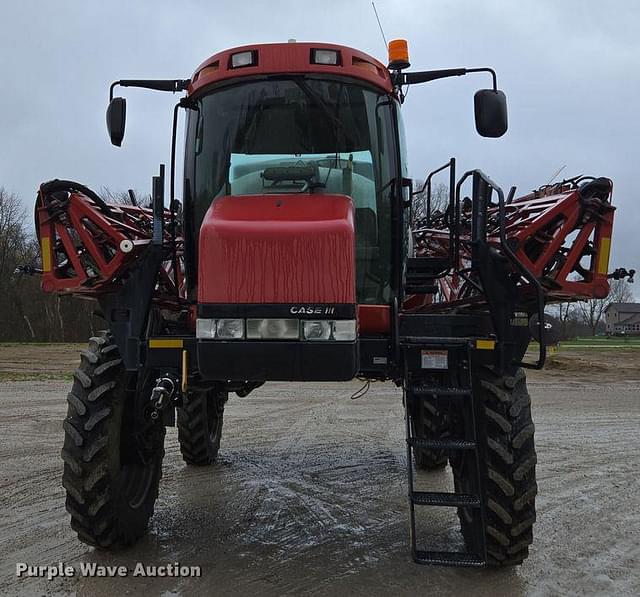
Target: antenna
point(556, 174)
point(379, 24)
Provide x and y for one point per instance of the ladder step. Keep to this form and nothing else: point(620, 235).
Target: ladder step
point(438, 498)
point(442, 444)
point(418, 274)
point(422, 264)
point(420, 289)
point(448, 558)
point(439, 391)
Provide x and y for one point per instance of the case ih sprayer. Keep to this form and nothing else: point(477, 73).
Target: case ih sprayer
point(299, 253)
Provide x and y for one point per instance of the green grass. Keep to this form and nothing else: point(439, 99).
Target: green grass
point(597, 343)
point(55, 344)
point(44, 376)
point(603, 342)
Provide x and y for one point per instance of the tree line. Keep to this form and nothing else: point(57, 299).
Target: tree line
point(26, 313)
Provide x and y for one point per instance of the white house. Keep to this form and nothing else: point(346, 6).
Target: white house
point(623, 318)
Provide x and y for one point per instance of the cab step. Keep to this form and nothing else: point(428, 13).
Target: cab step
point(438, 498)
point(442, 444)
point(420, 288)
point(448, 558)
point(438, 392)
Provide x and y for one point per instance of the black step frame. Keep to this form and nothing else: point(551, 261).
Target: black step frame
point(467, 397)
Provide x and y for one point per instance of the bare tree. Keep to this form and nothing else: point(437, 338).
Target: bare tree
point(566, 313)
point(33, 334)
point(129, 197)
point(592, 311)
point(439, 201)
point(27, 313)
point(12, 217)
point(620, 292)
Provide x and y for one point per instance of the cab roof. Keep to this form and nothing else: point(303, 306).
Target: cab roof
point(290, 58)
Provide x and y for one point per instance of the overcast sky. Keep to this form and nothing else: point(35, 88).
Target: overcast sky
point(570, 69)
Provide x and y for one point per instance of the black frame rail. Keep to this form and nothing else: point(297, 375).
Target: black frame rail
point(483, 187)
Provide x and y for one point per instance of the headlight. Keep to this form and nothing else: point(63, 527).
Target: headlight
point(325, 57)
point(344, 330)
point(230, 329)
point(316, 330)
point(273, 329)
point(206, 328)
point(241, 59)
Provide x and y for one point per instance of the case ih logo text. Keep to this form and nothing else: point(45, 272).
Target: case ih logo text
point(311, 310)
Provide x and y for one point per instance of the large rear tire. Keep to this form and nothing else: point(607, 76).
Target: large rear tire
point(200, 421)
point(506, 433)
point(112, 468)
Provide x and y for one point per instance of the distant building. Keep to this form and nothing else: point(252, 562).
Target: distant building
point(623, 318)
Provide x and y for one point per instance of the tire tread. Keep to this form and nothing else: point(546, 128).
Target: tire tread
point(196, 445)
point(507, 431)
point(95, 508)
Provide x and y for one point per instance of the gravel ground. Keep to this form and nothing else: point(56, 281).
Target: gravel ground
point(308, 496)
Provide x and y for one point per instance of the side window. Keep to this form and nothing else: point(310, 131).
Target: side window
point(403, 143)
point(406, 191)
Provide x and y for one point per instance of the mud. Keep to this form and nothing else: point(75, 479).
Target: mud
point(308, 496)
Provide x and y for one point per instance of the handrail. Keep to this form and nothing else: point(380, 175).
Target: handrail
point(453, 227)
point(504, 245)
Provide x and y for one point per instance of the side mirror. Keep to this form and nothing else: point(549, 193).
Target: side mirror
point(491, 112)
point(116, 118)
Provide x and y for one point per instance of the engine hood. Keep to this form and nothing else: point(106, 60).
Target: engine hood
point(275, 249)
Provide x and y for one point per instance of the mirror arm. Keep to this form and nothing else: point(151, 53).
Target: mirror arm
point(173, 85)
point(431, 75)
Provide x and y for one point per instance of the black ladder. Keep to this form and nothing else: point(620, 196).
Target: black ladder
point(458, 349)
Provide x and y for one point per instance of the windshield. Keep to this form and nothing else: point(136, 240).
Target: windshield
point(299, 135)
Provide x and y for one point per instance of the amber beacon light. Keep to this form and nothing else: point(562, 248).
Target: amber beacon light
point(398, 54)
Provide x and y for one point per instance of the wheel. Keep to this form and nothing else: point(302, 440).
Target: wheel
point(200, 426)
point(506, 433)
point(427, 423)
point(112, 468)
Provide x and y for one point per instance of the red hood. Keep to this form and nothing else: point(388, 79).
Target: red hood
point(277, 249)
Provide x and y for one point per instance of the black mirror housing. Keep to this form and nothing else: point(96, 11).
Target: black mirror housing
point(116, 118)
point(490, 112)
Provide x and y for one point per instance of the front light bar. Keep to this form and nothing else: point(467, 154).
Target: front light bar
point(340, 330)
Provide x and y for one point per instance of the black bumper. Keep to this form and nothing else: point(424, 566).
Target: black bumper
point(277, 360)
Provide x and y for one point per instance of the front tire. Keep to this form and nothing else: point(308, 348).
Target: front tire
point(200, 421)
point(112, 469)
point(508, 472)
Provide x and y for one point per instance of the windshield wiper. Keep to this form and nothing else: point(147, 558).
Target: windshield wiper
point(318, 101)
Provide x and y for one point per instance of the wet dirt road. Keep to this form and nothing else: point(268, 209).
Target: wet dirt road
point(308, 497)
